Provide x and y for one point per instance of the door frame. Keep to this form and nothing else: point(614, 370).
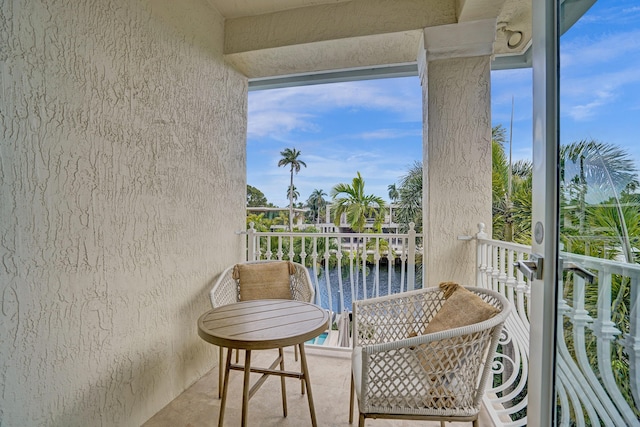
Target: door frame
point(545, 213)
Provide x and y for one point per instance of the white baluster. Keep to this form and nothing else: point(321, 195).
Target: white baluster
point(605, 331)
point(363, 266)
point(411, 258)
point(251, 243)
point(303, 251)
point(354, 285)
point(376, 259)
point(338, 254)
point(580, 320)
point(268, 253)
point(327, 255)
point(403, 257)
point(632, 339)
point(390, 265)
point(291, 248)
point(314, 259)
point(280, 253)
point(495, 270)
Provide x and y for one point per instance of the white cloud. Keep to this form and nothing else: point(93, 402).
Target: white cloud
point(585, 97)
point(613, 13)
point(278, 112)
point(508, 85)
point(592, 50)
point(599, 68)
point(279, 123)
point(324, 97)
point(388, 134)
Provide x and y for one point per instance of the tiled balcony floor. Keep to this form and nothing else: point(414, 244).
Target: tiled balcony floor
point(329, 372)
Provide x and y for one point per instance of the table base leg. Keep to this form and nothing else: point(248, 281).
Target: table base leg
point(220, 371)
point(247, 390)
point(246, 387)
point(282, 385)
point(225, 388)
point(307, 384)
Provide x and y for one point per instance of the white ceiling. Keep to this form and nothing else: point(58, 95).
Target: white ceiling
point(516, 13)
point(278, 37)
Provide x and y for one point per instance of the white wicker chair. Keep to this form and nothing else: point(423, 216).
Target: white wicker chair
point(437, 376)
point(226, 290)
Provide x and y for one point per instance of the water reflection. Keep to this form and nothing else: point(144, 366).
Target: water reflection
point(336, 292)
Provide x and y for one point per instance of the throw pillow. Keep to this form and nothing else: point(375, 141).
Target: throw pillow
point(268, 280)
point(461, 308)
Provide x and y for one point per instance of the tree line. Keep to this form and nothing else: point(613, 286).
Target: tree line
point(599, 199)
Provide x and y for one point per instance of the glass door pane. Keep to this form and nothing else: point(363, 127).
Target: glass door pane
point(597, 356)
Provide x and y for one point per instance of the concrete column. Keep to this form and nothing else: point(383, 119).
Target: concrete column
point(455, 66)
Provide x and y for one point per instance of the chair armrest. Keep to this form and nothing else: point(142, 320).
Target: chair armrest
point(301, 286)
point(225, 291)
point(431, 372)
point(395, 317)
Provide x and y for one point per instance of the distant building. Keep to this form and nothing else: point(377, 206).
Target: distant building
point(388, 226)
point(325, 225)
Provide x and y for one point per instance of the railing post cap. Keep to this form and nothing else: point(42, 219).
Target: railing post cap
point(481, 228)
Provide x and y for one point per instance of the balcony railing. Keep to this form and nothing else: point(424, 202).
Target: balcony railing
point(345, 265)
point(598, 362)
point(592, 388)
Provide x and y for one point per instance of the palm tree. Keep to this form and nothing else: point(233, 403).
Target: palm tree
point(290, 157)
point(409, 206)
point(594, 173)
point(350, 199)
point(394, 195)
point(316, 203)
point(393, 192)
point(358, 206)
point(601, 218)
point(511, 193)
point(260, 223)
point(522, 177)
point(293, 193)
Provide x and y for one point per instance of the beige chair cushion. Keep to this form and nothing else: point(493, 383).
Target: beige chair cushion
point(268, 280)
point(461, 308)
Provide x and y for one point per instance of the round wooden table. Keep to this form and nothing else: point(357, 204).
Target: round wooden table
point(262, 325)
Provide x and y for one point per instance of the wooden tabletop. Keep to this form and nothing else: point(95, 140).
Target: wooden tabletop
point(262, 324)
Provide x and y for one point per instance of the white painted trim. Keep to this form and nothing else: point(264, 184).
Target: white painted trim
point(334, 76)
point(460, 40)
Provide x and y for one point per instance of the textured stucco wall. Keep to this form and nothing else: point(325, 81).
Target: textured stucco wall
point(122, 181)
point(457, 164)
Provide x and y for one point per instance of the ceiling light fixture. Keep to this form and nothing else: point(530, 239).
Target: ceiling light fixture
point(514, 38)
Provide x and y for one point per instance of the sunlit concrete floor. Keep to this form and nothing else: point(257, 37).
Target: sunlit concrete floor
point(329, 372)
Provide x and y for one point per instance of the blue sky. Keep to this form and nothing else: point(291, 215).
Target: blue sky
point(375, 126)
